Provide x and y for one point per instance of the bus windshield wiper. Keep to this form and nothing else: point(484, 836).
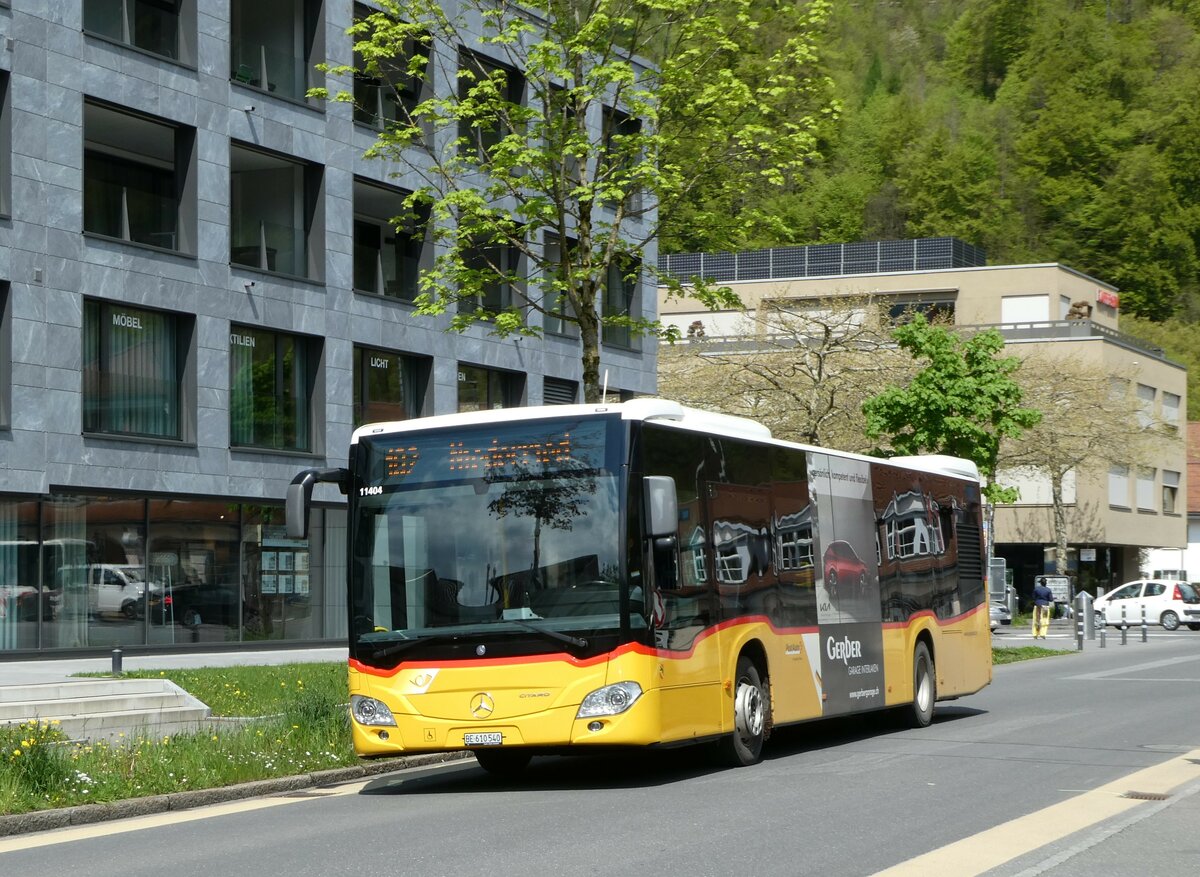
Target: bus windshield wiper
point(406, 644)
point(577, 642)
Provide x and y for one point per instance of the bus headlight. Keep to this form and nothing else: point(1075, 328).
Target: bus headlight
point(369, 711)
point(610, 700)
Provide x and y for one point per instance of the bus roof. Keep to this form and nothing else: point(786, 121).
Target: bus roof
point(635, 409)
point(663, 411)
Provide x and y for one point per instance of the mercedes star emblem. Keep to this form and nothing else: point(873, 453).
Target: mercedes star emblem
point(482, 705)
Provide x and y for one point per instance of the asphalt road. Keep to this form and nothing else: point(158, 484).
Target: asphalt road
point(1027, 777)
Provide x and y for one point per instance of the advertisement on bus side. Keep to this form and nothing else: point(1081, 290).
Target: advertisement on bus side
point(848, 605)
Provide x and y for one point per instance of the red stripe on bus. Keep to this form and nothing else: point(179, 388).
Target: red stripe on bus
point(640, 649)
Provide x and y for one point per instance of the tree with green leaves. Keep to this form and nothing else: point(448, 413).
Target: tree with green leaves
point(556, 138)
point(962, 401)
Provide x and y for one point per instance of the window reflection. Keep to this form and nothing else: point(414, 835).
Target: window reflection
point(95, 562)
point(107, 571)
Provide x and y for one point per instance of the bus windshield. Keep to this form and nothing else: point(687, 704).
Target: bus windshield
point(510, 528)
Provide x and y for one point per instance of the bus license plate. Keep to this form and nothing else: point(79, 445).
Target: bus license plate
point(490, 738)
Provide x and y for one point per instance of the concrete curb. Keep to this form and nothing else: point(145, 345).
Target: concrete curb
point(88, 814)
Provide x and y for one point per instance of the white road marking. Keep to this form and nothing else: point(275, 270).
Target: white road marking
point(56, 836)
point(989, 849)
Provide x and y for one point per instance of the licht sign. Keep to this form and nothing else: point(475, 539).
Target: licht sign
point(1105, 297)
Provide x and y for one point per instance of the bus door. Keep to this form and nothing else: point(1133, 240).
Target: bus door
point(683, 601)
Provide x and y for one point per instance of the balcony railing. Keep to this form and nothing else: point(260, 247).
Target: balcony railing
point(1058, 330)
point(1050, 330)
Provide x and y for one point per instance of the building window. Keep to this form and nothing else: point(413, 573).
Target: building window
point(619, 133)
point(1024, 309)
point(133, 367)
point(5, 356)
point(493, 266)
point(1145, 489)
point(271, 387)
point(1170, 492)
point(387, 386)
point(562, 129)
point(5, 146)
point(386, 258)
point(390, 93)
point(161, 27)
point(558, 391)
point(276, 44)
point(480, 136)
point(902, 308)
point(1170, 410)
point(277, 219)
point(482, 388)
point(620, 300)
point(1118, 486)
point(554, 298)
point(1145, 405)
point(137, 178)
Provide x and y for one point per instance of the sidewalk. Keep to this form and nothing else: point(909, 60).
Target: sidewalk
point(56, 669)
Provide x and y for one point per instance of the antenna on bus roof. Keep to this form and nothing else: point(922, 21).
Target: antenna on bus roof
point(604, 389)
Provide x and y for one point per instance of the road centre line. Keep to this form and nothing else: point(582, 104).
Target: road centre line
point(1134, 668)
point(1145, 679)
point(991, 848)
point(174, 817)
point(54, 836)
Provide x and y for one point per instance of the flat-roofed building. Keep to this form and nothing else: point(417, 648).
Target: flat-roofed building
point(1114, 512)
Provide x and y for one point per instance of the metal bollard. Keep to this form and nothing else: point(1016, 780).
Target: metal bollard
point(1103, 633)
point(116, 662)
point(1143, 623)
point(1124, 627)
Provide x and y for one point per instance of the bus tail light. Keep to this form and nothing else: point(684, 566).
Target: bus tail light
point(610, 700)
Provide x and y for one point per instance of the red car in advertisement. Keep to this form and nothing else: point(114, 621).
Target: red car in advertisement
point(845, 573)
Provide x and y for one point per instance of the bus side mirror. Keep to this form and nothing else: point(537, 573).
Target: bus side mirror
point(299, 497)
point(662, 505)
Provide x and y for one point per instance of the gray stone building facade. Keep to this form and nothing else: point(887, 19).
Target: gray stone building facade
point(200, 295)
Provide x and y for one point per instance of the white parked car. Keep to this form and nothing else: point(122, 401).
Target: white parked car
point(1166, 602)
point(998, 610)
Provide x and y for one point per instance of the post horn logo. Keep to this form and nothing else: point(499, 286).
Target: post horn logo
point(482, 705)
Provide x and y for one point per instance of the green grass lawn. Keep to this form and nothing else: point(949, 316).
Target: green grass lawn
point(294, 722)
point(1010, 655)
point(297, 724)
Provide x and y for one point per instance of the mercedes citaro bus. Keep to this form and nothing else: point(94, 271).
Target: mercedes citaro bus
point(570, 579)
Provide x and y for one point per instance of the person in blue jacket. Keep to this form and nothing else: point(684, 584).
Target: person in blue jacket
point(1043, 605)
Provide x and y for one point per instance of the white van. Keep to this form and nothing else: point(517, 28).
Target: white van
point(111, 588)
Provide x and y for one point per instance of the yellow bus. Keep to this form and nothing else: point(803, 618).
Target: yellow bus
point(573, 579)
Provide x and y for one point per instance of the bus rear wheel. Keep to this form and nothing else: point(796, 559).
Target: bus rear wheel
point(920, 711)
point(750, 712)
point(503, 762)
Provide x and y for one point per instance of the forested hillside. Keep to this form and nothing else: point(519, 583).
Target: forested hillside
point(1041, 130)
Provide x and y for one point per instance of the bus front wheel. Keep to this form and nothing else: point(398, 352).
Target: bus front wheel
point(920, 711)
point(750, 708)
point(502, 762)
